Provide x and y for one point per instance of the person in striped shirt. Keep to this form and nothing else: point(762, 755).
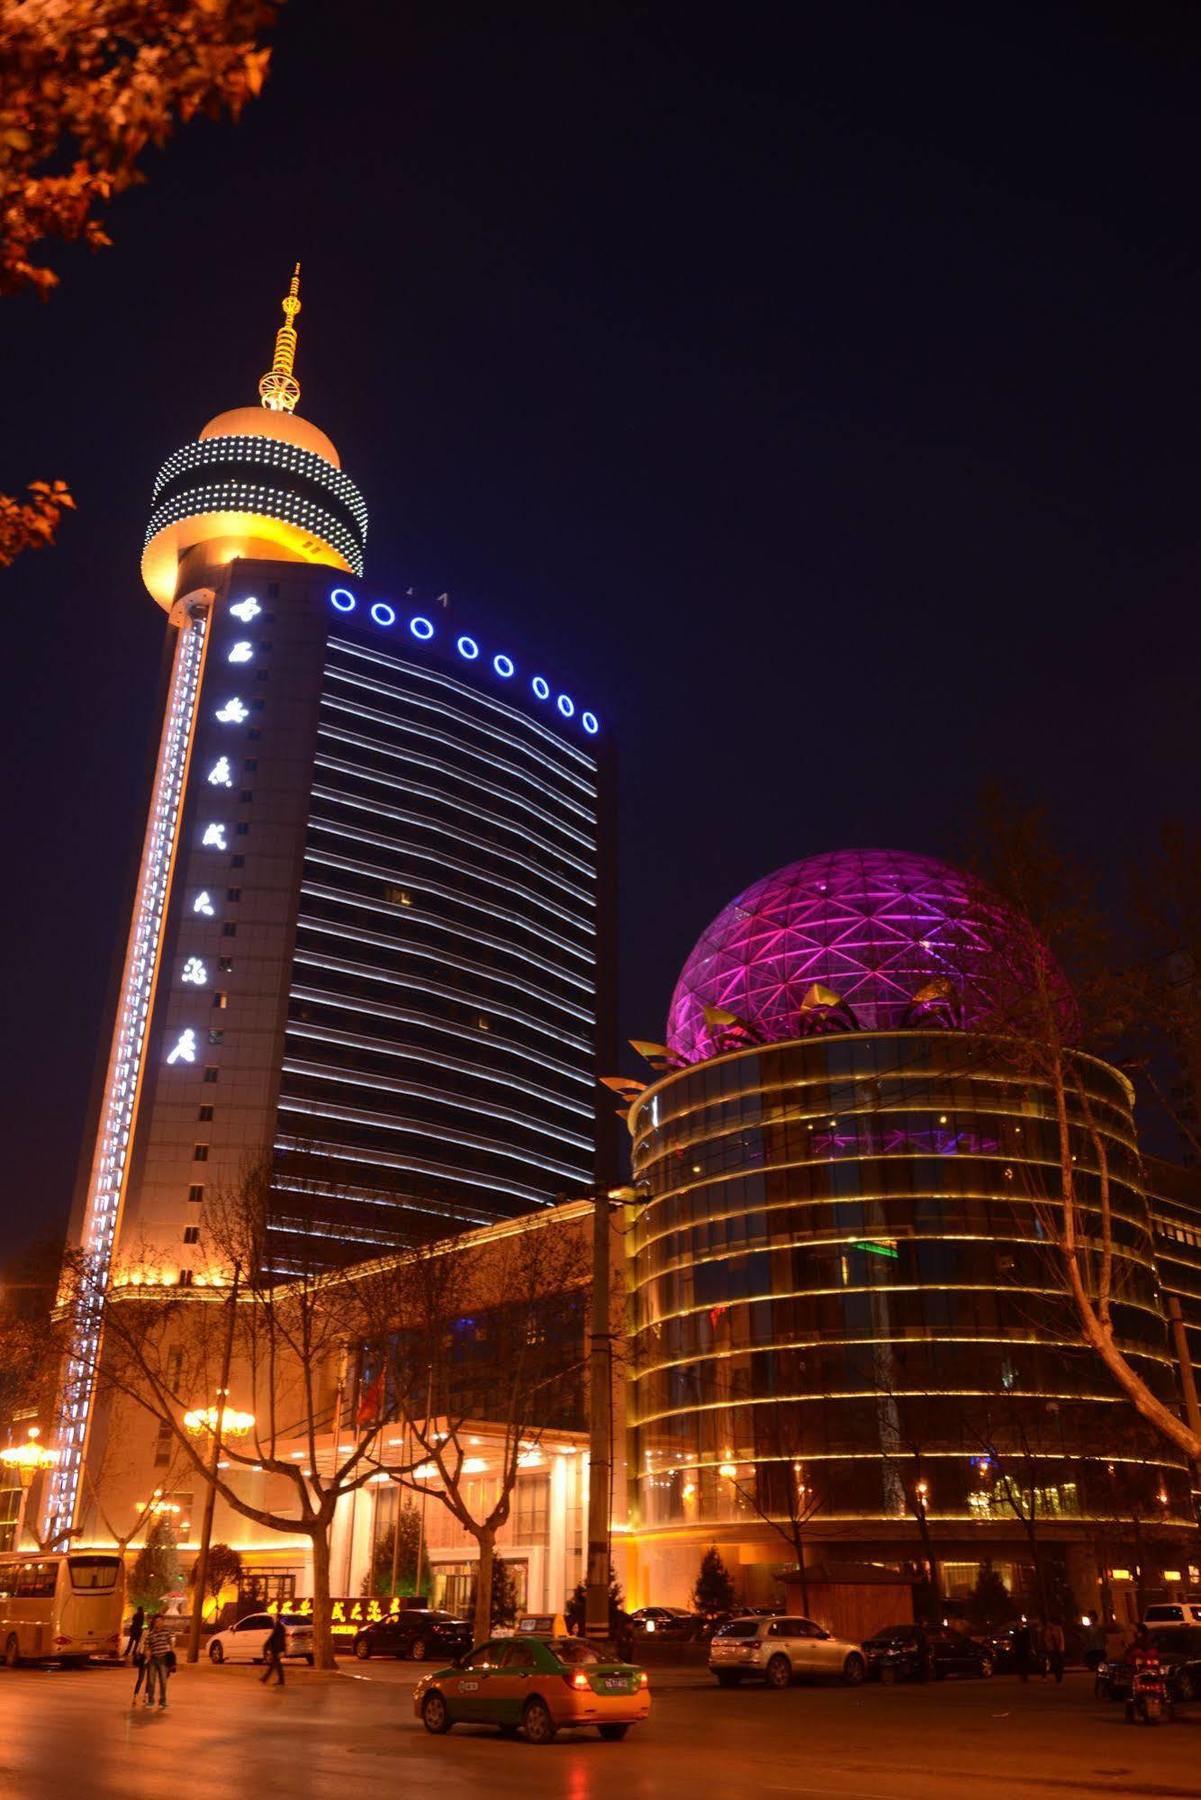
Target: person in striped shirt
point(158, 1650)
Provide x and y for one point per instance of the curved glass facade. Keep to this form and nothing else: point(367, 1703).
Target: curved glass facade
point(445, 1017)
point(844, 1267)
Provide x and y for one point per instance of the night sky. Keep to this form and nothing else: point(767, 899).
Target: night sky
point(816, 390)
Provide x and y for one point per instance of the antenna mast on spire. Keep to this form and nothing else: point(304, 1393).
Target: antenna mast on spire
point(279, 389)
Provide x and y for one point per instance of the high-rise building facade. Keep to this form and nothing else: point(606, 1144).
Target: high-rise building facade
point(371, 932)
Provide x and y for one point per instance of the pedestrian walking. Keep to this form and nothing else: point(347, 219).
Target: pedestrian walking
point(1021, 1649)
point(273, 1649)
point(139, 1663)
point(1056, 1647)
point(158, 1655)
point(136, 1627)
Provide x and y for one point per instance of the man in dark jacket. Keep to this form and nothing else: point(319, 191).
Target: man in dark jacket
point(274, 1649)
point(1022, 1646)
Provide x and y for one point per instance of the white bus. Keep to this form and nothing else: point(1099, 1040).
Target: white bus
point(61, 1607)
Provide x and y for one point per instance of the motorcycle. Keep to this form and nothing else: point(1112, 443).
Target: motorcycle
point(1150, 1701)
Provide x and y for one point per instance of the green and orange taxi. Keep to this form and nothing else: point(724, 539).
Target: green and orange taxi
point(535, 1685)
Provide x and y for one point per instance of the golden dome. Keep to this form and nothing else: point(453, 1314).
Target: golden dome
point(258, 483)
point(256, 421)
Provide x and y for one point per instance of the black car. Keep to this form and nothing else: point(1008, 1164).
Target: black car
point(1179, 1650)
point(665, 1622)
point(914, 1653)
point(419, 1632)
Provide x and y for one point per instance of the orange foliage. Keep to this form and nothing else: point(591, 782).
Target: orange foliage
point(88, 85)
point(31, 524)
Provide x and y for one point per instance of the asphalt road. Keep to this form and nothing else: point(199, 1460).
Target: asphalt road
point(74, 1736)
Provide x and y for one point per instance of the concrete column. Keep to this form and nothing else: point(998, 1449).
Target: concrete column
point(556, 1581)
point(340, 1542)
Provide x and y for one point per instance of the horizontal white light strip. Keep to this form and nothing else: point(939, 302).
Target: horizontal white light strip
point(452, 802)
point(346, 934)
point(504, 1078)
point(419, 915)
point(379, 1009)
point(436, 1134)
point(510, 890)
point(361, 1197)
point(839, 1100)
point(892, 1291)
point(478, 698)
point(415, 984)
point(420, 1165)
point(457, 896)
point(441, 828)
point(1013, 1196)
point(417, 1090)
point(418, 985)
point(895, 1339)
point(420, 728)
point(972, 1393)
point(864, 1196)
point(443, 770)
point(836, 1238)
point(789, 1105)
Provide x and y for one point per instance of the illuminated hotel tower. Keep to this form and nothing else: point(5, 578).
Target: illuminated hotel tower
point(372, 904)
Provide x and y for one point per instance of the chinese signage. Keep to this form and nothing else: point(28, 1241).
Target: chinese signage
point(347, 1616)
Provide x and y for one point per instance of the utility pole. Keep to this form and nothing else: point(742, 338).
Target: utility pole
point(600, 1417)
point(210, 1498)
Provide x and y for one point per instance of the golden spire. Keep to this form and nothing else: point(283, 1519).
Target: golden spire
point(279, 389)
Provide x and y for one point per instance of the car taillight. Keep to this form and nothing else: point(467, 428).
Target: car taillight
point(644, 1679)
point(578, 1680)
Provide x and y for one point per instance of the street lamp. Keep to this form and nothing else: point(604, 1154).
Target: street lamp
point(600, 1368)
point(220, 1421)
point(27, 1460)
point(226, 1421)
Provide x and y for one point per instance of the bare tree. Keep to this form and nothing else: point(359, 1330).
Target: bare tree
point(1167, 910)
point(464, 1342)
point(165, 1350)
point(904, 1425)
point(1020, 1470)
point(780, 1488)
point(1043, 1025)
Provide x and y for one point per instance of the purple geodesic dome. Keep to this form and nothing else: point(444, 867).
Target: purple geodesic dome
point(900, 940)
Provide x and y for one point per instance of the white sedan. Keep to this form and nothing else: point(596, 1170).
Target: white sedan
point(247, 1640)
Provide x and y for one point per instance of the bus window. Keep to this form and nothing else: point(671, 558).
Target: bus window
point(37, 1580)
point(95, 1572)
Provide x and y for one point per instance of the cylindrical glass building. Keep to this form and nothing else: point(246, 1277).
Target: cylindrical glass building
point(843, 1287)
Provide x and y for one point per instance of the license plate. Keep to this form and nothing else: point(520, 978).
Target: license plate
point(615, 1684)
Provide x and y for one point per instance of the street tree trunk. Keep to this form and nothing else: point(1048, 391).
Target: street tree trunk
point(486, 1540)
point(323, 1637)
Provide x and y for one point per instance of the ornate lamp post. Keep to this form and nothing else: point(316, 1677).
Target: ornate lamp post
point(27, 1460)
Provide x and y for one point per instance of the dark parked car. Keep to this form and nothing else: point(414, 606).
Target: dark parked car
point(913, 1653)
point(1179, 1650)
point(999, 1645)
point(665, 1622)
point(419, 1632)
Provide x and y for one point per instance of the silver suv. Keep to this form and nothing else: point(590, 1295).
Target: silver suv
point(774, 1650)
